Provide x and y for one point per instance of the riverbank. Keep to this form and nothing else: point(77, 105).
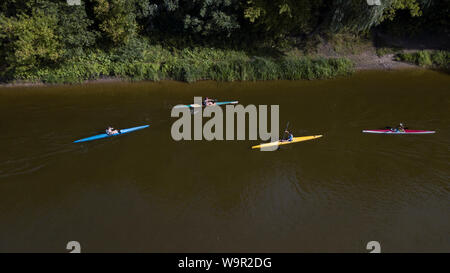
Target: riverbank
point(329, 60)
point(156, 63)
point(374, 53)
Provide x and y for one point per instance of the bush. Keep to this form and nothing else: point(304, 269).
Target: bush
point(432, 59)
point(382, 51)
point(423, 58)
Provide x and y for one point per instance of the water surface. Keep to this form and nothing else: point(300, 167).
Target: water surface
point(144, 192)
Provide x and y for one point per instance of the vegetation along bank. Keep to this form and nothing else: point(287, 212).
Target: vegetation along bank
point(51, 41)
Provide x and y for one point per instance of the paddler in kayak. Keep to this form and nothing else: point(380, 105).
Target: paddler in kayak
point(111, 131)
point(289, 137)
point(399, 128)
point(208, 102)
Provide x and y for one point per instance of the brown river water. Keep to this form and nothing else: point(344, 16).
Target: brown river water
point(144, 192)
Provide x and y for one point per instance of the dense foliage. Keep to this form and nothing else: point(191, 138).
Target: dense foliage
point(120, 37)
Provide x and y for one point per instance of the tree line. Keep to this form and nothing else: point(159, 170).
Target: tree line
point(46, 33)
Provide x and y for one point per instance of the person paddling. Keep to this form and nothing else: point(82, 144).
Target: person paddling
point(111, 131)
point(289, 137)
point(399, 128)
point(208, 102)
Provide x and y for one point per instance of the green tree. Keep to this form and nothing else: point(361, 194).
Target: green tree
point(196, 19)
point(357, 16)
point(412, 5)
point(28, 42)
point(279, 18)
point(74, 30)
point(14, 7)
point(116, 19)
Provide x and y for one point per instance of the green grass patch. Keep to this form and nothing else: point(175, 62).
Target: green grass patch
point(345, 43)
point(188, 65)
point(382, 51)
point(431, 59)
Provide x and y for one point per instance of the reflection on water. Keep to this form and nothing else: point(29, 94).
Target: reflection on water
point(146, 192)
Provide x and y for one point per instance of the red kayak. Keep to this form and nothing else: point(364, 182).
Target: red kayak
point(396, 132)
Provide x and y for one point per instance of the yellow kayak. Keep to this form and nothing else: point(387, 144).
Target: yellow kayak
point(295, 139)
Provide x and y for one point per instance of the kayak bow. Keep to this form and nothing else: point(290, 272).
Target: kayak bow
point(277, 143)
point(406, 132)
point(123, 131)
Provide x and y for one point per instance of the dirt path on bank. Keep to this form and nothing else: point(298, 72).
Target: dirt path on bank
point(368, 61)
point(365, 57)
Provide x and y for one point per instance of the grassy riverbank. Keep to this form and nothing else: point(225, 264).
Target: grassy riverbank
point(156, 63)
point(190, 64)
point(327, 60)
point(431, 59)
point(339, 55)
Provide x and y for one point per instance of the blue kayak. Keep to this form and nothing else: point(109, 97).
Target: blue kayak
point(198, 105)
point(123, 131)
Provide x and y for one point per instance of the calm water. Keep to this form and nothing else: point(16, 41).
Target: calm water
point(146, 192)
